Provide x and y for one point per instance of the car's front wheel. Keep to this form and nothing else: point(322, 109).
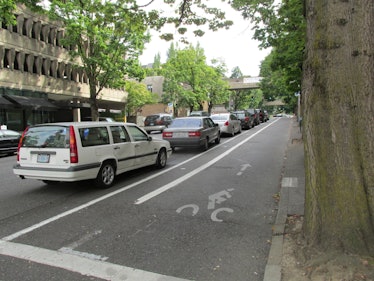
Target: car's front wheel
point(161, 159)
point(106, 175)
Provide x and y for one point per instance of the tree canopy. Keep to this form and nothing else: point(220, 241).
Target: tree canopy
point(282, 26)
point(189, 81)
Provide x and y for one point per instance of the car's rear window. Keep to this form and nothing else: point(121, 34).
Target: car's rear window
point(152, 117)
point(186, 123)
point(94, 136)
point(220, 117)
point(239, 115)
point(47, 136)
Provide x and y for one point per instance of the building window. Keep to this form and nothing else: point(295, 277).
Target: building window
point(149, 87)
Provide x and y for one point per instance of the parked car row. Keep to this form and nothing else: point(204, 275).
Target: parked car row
point(73, 151)
point(251, 117)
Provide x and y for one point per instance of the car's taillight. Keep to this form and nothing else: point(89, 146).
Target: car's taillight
point(167, 134)
point(226, 123)
point(194, 134)
point(73, 146)
point(20, 142)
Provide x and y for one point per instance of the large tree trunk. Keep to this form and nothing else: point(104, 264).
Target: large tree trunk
point(338, 88)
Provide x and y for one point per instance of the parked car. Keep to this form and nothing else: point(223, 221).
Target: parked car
point(199, 113)
point(9, 141)
point(192, 132)
point(228, 123)
point(101, 119)
point(260, 115)
point(157, 122)
point(255, 115)
point(245, 118)
point(266, 116)
point(74, 151)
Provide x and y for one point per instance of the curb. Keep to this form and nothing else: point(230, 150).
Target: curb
point(289, 202)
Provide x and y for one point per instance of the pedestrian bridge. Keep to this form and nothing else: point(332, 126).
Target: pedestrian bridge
point(244, 83)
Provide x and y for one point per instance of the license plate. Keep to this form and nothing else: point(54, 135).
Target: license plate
point(180, 135)
point(43, 158)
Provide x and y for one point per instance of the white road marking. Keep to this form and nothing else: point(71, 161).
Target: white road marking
point(194, 208)
point(244, 167)
point(70, 248)
point(86, 255)
point(81, 265)
point(196, 171)
point(289, 182)
point(215, 213)
point(218, 198)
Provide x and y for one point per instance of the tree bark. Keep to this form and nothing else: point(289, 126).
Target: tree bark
point(338, 125)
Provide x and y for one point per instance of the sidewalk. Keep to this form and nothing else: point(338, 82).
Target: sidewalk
point(292, 198)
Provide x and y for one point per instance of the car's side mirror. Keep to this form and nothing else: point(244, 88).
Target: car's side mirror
point(149, 138)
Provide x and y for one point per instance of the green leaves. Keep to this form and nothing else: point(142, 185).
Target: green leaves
point(7, 8)
point(138, 96)
point(280, 26)
point(189, 81)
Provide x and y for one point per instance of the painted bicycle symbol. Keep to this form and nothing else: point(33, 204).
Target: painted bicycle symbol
point(214, 199)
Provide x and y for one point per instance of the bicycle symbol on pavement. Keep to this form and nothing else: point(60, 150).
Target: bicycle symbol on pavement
point(214, 199)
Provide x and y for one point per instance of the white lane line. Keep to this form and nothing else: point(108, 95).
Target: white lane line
point(196, 171)
point(81, 265)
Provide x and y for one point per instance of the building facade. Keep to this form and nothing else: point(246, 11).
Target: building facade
point(38, 80)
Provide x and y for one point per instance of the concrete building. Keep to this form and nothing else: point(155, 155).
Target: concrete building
point(38, 80)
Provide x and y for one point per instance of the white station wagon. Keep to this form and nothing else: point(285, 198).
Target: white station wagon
point(74, 151)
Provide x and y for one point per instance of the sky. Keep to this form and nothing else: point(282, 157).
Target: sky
point(234, 46)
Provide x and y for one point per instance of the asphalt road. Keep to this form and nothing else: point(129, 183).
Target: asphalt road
point(206, 216)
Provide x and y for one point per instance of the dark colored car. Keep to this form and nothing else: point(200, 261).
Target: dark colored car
point(192, 132)
point(157, 122)
point(245, 118)
point(260, 115)
point(255, 115)
point(9, 141)
point(266, 116)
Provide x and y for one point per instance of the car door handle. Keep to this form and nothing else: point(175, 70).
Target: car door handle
point(117, 147)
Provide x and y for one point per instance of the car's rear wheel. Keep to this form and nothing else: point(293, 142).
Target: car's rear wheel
point(205, 145)
point(161, 159)
point(106, 175)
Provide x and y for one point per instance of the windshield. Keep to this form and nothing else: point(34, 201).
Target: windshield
point(46, 136)
point(186, 123)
